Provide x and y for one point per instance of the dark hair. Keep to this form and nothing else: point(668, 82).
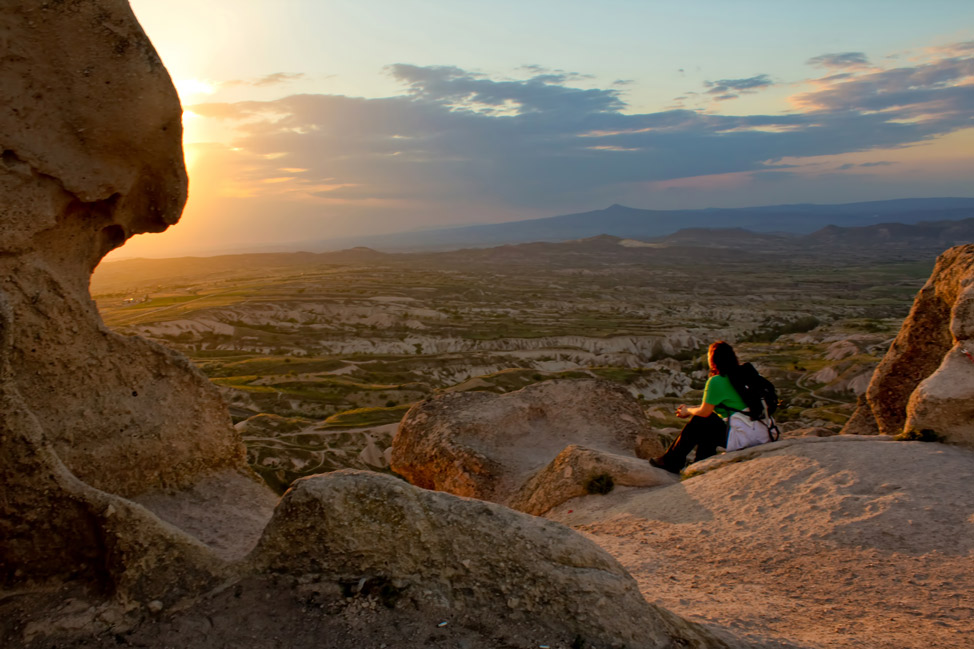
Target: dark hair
point(722, 359)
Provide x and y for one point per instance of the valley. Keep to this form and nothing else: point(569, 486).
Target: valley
point(320, 355)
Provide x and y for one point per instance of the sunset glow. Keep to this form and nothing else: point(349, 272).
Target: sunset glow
point(355, 119)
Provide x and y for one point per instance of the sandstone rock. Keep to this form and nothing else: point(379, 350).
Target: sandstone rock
point(654, 444)
point(568, 475)
point(925, 367)
point(91, 140)
point(91, 154)
point(944, 401)
point(489, 446)
point(52, 524)
point(469, 555)
point(810, 432)
point(862, 421)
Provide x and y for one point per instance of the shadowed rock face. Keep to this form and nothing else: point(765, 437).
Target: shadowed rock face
point(925, 381)
point(91, 140)
point(91, 154)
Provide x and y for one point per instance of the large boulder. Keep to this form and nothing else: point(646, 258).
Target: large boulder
point(468, 555)
point(505, 448)
point(926, 379)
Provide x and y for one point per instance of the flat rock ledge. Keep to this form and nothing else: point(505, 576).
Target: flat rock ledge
point(718, 461)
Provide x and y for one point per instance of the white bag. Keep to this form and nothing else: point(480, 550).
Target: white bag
point(742, 431)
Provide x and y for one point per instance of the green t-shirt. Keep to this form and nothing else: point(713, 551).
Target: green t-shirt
point(721, 394)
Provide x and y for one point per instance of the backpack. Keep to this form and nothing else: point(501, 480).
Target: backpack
point(756, 391)
point(758, 426)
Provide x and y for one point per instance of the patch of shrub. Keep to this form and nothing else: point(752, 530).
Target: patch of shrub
point(925, 435)
point(600, 484)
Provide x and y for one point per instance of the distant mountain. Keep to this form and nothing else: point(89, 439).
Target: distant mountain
point(628, 222)
point(936, 234)
point(882, 241)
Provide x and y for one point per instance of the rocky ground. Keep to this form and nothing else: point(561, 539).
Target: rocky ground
point(840, 542)
point(259, 613)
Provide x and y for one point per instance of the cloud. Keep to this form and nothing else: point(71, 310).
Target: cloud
point(964, 48)
point(544, 92)
point(940, 93)
point(267, 80)
point(278, 77)
point(730, 88)
point(843, 60)
point(864, 165)
point(458, 138)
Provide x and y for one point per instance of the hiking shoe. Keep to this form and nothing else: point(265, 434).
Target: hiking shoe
point(659, 463)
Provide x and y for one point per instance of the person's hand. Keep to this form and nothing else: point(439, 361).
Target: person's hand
point(681, 411)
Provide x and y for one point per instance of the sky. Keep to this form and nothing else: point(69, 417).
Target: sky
point(306, 120)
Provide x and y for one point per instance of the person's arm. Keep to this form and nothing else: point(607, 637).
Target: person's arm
point(703, 410)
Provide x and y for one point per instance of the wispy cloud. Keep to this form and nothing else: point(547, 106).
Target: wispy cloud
point(267, 80)
point(732, 88)
point(864, 165)
point(842, 60)
point(543, 93)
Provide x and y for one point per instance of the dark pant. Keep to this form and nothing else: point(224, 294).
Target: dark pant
point(706, 433)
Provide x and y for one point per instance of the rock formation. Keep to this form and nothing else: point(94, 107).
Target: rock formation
point(529, 449)
point(120, 473)
point(926, 379)
point(92, 154)
point(91, 140)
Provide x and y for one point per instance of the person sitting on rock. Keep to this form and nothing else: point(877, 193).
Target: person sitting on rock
point(707, 429)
